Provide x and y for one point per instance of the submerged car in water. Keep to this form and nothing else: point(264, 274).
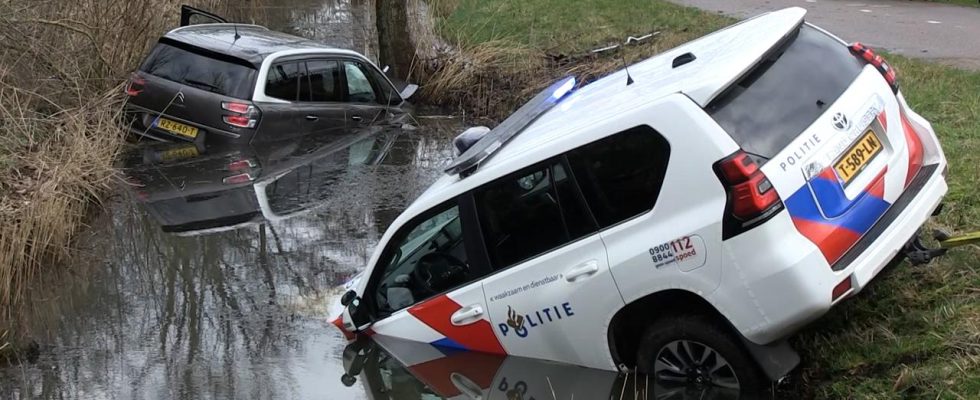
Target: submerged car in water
point(225, 187)
point(680, 218)
point(244, 83)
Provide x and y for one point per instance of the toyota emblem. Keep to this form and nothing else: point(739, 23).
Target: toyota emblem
point(841, 122)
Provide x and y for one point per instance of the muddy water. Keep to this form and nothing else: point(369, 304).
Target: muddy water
point(349, 24)
point(211, 289)
point(204, 287)
point(207, 288)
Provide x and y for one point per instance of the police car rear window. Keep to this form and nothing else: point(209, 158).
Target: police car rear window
point(783, 95)
point(200, 71)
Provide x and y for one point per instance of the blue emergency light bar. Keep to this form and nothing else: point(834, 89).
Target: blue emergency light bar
point(495, 139)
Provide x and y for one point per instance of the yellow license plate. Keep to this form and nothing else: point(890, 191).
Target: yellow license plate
point(179, 153)
point(858, 156)
point(177, 128)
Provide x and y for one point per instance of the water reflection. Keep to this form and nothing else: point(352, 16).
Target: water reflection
point(192, 191)
point(217, 288)
point(391, 368)
point(347, 24)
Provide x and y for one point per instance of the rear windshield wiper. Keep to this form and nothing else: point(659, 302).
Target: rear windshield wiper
point(206, 85)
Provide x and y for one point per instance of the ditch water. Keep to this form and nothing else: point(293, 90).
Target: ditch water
point(216, 290)
point(196, 287)
point(192, 286)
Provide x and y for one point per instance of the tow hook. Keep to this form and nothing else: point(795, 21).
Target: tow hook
point(918, 253)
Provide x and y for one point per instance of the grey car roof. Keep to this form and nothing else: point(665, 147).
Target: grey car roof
point(254, 44)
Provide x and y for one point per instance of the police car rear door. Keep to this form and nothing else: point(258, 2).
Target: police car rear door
point(551, 291)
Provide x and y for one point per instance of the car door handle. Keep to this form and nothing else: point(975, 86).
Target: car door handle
point(467, 315)
point(356, 118)
point(312, 117)
point(466, 386)
point(582, 271)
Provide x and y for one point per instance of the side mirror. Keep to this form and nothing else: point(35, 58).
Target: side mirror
point(359, 316)
point(348, 298)
point(408, 91)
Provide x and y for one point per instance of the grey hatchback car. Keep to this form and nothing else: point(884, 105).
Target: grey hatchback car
point(246, 83)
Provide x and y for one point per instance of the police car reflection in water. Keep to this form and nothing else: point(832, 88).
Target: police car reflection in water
point(391, 368)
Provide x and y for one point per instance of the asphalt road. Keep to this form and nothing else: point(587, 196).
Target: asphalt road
point(939, 32)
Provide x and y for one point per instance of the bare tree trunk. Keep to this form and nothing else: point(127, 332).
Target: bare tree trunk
point(407, 39)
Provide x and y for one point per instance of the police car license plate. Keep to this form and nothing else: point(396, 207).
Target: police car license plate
point(856, 158)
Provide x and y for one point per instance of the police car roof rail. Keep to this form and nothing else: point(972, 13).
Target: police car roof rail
point(481, 151)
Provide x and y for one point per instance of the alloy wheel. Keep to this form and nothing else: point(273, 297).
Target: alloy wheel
point(690, 363)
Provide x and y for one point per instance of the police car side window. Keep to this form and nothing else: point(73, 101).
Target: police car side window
point(621, 175)
point(426, 257)
point(529, 213)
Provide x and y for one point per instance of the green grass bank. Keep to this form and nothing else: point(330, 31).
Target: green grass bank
point(968, 3)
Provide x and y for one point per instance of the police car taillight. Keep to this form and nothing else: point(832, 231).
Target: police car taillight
point(879, 63)
point(915, 150)
point(751, 198)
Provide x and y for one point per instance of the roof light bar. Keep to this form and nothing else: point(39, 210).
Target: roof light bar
point(497, 137)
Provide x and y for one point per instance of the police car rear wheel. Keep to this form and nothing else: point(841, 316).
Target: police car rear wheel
point(694, 352)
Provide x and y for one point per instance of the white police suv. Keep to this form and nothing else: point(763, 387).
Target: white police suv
point(681, 218)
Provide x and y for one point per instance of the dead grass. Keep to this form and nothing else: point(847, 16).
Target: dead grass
point(49, 187)
point(480, 77)
point(61, 66)
point(504, 51)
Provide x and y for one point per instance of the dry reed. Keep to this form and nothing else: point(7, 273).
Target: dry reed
point(490, 79)
point(61, 66)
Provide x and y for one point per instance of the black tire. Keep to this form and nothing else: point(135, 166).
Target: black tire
point(698, 330)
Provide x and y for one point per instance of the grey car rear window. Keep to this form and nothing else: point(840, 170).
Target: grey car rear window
point(783, 95)
point(200, 71)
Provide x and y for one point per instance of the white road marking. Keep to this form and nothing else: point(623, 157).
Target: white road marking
point(933, 22)
point(865, 10)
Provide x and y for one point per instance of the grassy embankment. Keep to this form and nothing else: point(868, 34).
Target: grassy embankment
point(968, 3)
point(915, 332)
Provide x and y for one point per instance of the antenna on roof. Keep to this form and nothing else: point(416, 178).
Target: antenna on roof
point(629, 79)
point(237, 36)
